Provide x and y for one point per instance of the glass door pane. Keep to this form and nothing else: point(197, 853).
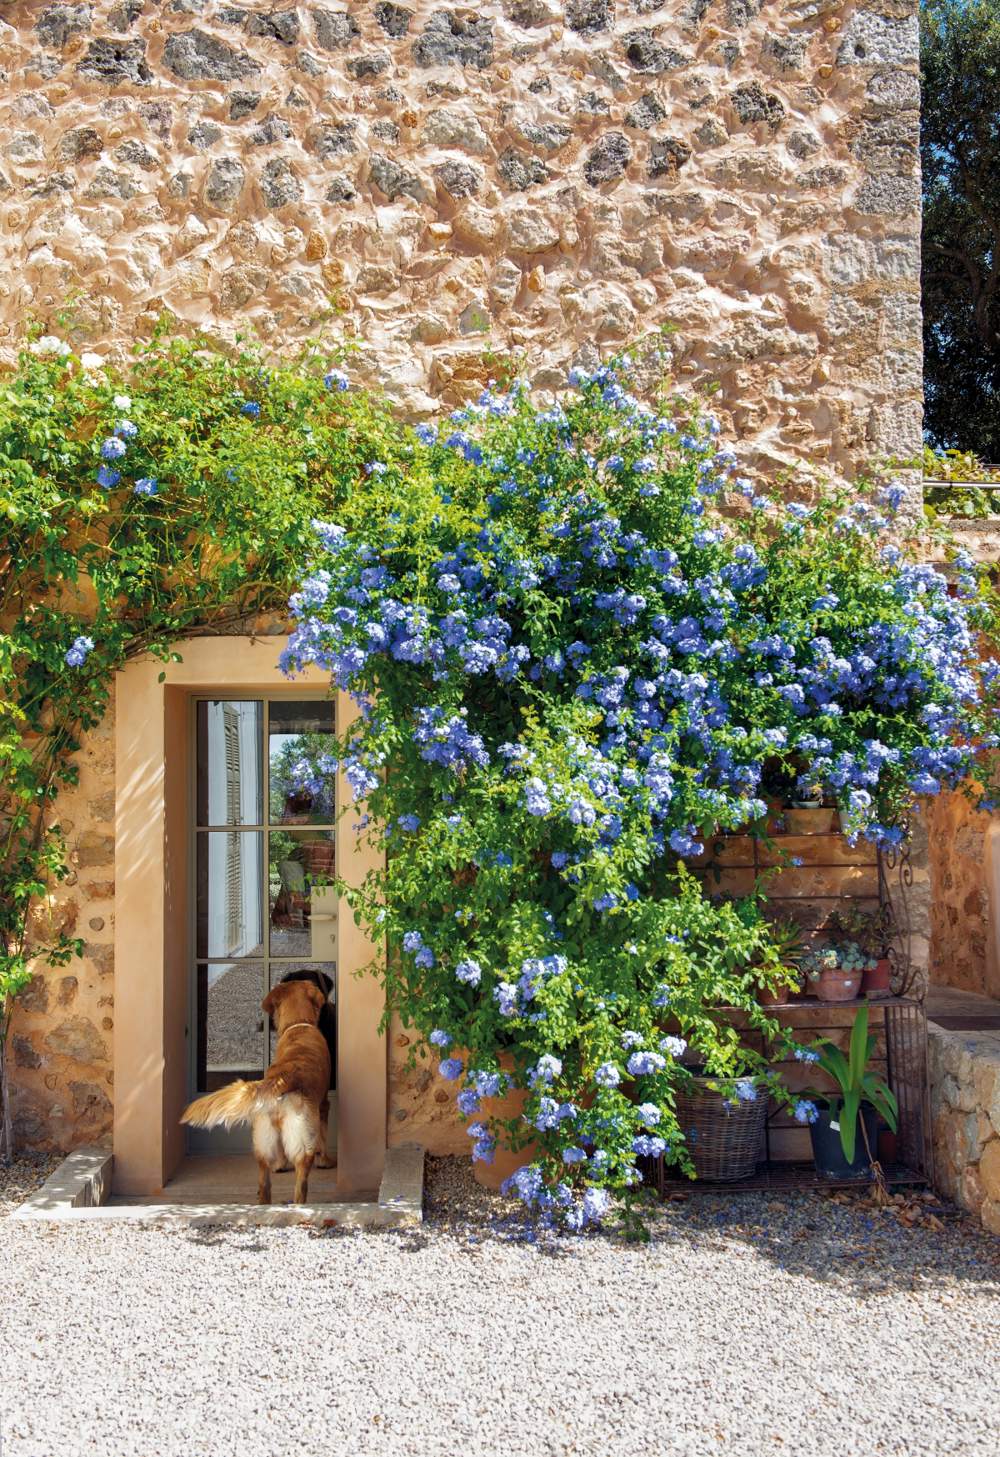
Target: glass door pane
point(230, 788)
point(229, 869)
point(301, 900)
point(301, 767)
point(230, 1031)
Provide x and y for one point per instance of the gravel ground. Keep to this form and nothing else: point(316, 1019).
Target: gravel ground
point(749, 1325)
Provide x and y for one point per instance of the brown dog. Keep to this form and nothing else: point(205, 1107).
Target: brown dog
point(284, 1107)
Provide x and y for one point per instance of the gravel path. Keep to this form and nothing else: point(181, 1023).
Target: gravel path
point(748, 1326)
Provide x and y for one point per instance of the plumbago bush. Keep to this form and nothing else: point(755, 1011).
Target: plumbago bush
point(579, 640)
point(138, 505)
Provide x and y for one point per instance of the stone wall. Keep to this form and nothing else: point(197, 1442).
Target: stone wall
point(448, 186)
point(532, 177)
point(963, 926)
point(964, 1072)
point(62, 1036)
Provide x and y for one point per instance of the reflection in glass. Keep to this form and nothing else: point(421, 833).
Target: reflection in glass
point(229, 869)
point(280, 969)
point(229, 778)
point(301, 900)
point(301, 765)
point(230, 1023)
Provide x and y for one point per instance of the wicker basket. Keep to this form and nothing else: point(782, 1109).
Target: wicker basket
point(725, 1138)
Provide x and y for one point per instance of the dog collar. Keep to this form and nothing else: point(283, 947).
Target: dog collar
point(294, 1025)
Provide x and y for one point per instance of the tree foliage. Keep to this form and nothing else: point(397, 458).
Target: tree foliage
point(960, 155)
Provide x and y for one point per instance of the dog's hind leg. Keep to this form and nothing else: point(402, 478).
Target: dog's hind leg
point(323, 1158)
point(263, 1182)
point(268, 1152)
point(303, 1165)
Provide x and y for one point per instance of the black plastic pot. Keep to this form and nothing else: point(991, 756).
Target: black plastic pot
point(828, 1153)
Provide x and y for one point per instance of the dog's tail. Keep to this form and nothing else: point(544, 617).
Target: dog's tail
point(235, 1103)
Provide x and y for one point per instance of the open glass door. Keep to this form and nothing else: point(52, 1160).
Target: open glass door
point(264, 812)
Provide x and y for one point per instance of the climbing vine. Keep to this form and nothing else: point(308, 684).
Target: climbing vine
point(139, 505)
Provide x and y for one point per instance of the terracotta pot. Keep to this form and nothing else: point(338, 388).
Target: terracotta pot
point(780, 998)
point(835, 985)
point(505, 1163)
point(878, 982)
point(814, 821)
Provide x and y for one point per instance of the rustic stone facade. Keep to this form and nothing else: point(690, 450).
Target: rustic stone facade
point(450, 186)
point(965, 1119)
point(62, 1038)
point(963, 914)
point(543, 179)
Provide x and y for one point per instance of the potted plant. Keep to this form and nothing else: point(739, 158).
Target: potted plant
point(861, 1098)
point(784, 980)
point(872, 932)
point(810, 813)
point(833, 973)
point(723, 1122)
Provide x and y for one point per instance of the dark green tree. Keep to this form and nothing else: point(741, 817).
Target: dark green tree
point(960, 153)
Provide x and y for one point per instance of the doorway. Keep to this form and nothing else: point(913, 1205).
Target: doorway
point(263, 814)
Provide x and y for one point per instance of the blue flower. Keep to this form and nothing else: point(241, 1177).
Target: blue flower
point(440, 1038)
point(649, 1113)
point(409, 822)
point(451, 1068)
point(806, 1054)
point(536, 799)
point(145, 486)
point(470, 972)
point(607, 1075)
point(805, 1111)
point(107, 477)
point(336, 380)
point(251, 409)
point(545, 1071)
point(426, 434)
point(468, 1101)
point(77, 654)
point(113, 448)
point(573, 1155)
point(746, 1090)
point(641, 1064)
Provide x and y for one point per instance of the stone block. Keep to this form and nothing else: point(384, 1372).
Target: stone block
point(989, 1169)
point(79, 1039)
point(872, 39)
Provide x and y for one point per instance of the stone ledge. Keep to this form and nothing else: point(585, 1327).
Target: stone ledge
point(68, 1198)
point(964, 1075)
point(82, 1181)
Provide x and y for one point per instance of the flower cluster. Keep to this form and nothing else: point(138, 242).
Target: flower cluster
point(580, 641)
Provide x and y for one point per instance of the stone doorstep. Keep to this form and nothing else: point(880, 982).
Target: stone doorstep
point(67, 1197)
point(81, 1181)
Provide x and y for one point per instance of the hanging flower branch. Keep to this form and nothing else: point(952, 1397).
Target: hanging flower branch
point(579, 639)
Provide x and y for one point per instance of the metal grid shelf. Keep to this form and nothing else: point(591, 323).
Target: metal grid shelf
point(900, 1058)
point(790, 1178)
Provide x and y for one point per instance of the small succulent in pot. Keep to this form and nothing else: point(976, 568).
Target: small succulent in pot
point(785, 979)
point(834, 973)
